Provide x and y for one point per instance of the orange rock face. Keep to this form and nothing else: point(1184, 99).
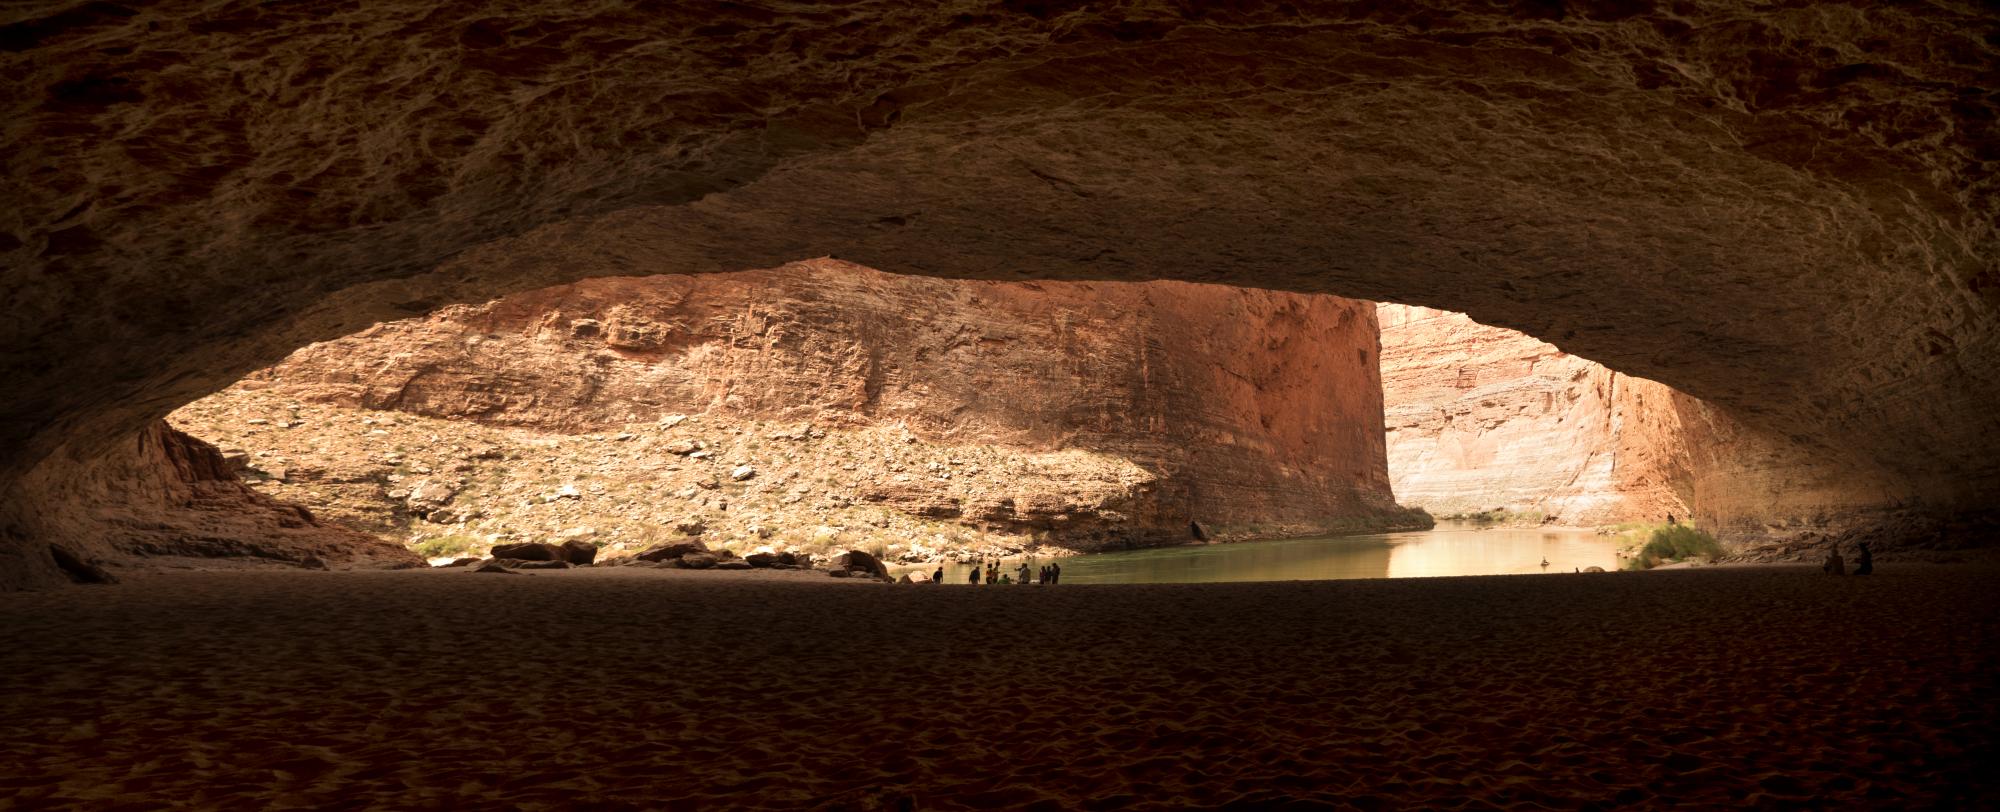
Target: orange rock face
point(1253, 412)
point(1483, 418)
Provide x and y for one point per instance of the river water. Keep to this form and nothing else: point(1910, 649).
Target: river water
point(1447, 550)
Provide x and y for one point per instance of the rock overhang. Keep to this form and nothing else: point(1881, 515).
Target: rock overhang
point(1788, 212)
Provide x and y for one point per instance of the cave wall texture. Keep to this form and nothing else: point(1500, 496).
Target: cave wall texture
point(1784, 210)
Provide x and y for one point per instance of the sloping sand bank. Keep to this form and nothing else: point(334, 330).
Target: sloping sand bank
point(616, 689)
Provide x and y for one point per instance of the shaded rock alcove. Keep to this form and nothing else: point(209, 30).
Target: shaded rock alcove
point(1788, 213)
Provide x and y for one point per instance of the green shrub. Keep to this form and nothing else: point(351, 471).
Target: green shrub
point(455, 545)
point(1676, 542)
point(1501, 516)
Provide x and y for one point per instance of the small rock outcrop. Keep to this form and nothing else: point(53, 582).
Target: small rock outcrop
point(531, 551)
point(860, 562)
point(579, 553)
point(173, 500)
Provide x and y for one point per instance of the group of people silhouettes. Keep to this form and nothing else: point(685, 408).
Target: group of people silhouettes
point(988, 571)
point(1864, 562)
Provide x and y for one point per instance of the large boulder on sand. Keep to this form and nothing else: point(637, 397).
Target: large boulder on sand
point(761, 560)
point(858, 561)
point(578, 552)
point(669, 552)
point(529, 551)
point(698, 561)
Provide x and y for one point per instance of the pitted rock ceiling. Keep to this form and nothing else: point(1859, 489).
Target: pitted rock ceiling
point(1785, 209)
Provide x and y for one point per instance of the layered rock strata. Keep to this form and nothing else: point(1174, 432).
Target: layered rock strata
point(1084, 414)
point(1483, 418)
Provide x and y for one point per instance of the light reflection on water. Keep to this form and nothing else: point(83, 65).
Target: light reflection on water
point(1462, 550)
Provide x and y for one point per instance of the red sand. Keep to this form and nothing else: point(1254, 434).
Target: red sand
point(616, 689)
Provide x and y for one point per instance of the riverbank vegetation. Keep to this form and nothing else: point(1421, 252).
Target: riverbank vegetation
point(1500, 517)
point(1668, 544)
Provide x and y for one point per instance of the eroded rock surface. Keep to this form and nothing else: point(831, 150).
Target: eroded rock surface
point(173, 500)
point(1786, 211)
point(1483, 418)
point(828, 399)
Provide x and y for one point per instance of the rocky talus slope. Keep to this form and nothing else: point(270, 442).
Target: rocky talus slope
point(824, 404)
point(1486, 419)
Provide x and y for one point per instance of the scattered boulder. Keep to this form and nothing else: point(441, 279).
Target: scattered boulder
point(691, 527)
point(763, 560)
point(460, 562)
point(858, 561)
point(742, 472)
point(699, 561)
point(312, 562)
point(578, 552)
point(494, 565)
point(841, 574)
point(682, 446)
point(733, 565)
point(671, 552)
point(428, 495)
point(564, 492)
point(530, 551)
point(452, 514)
point(541, 565)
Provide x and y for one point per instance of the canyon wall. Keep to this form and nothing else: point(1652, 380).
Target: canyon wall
point(1252, 412)
point(1483, 418)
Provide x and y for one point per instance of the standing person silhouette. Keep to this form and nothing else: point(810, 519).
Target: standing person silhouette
point(1864, 564)
point(974, 577)
point(1055, 573)
point(938, 577)
point(1834, 565)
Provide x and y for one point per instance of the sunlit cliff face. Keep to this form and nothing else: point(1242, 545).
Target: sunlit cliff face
point(1788, 213)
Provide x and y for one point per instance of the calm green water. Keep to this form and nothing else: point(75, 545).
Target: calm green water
point(1463, 550)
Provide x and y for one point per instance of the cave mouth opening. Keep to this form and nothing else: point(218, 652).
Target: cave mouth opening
point(824, 406)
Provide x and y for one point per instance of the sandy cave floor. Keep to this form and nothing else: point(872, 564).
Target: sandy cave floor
point(612, 689)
